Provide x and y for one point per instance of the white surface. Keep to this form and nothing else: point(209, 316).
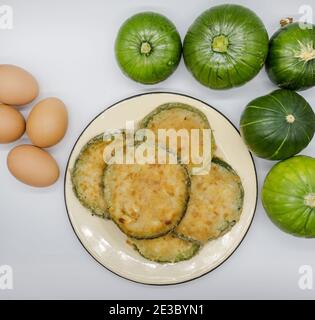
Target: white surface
point(68, 46)
point(108, 245)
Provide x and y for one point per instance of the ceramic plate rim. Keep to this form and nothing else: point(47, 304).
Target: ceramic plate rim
point(67, 168)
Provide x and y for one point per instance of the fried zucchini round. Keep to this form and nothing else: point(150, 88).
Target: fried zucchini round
point(146, 201)
point(87, 176)
point(215, 205)
point(166, 249)
point(178, 116)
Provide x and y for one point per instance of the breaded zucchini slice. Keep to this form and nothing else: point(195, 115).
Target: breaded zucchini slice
point(215, 205)
point(146, 201)
point(178, 116)
point(166, 249)
point(87, 176)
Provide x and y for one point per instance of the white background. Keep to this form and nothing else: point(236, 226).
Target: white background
point(68, 46)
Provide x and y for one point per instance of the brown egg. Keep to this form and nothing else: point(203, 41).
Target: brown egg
point(33, 166)
point(17, 86)
point(12, 124)
point(47, 123)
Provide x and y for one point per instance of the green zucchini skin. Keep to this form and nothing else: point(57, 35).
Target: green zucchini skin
point(226, 46)
point(215, 205)
point(291, 59)
point(288, 196)
point(91, 193)
point(278, 126)
point(166, 249)
point(143, 32)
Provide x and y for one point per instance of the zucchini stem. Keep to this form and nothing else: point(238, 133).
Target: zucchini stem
point(220, 44)
point(310, 200)
point(286, 21)
point(290, 118)
point(145, 48)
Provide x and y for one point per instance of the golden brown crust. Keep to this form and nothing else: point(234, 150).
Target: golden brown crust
point(166, 249)
point(178, 116)
point(87, 176)
point(146, 201)
point(215, 204)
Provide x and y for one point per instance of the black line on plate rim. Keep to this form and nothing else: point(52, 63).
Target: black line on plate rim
point(67, 168)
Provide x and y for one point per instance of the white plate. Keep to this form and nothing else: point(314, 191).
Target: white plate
point(103, 240)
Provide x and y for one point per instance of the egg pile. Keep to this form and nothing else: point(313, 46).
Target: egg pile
point(45, 126)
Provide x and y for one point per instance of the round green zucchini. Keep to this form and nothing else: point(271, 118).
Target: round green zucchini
point(166, 249)
point(87, 176)
point(278, 126)
point(291, 60)
point(215, 205)
point(148, 48)
point(288, 196)
point(226, 46)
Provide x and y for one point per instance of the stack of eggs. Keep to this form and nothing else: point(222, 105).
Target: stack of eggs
point(45, 126)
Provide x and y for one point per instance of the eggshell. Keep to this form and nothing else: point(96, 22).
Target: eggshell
point(47, 123)
point(33, 166)
point(12, 124)
point(17, 86)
